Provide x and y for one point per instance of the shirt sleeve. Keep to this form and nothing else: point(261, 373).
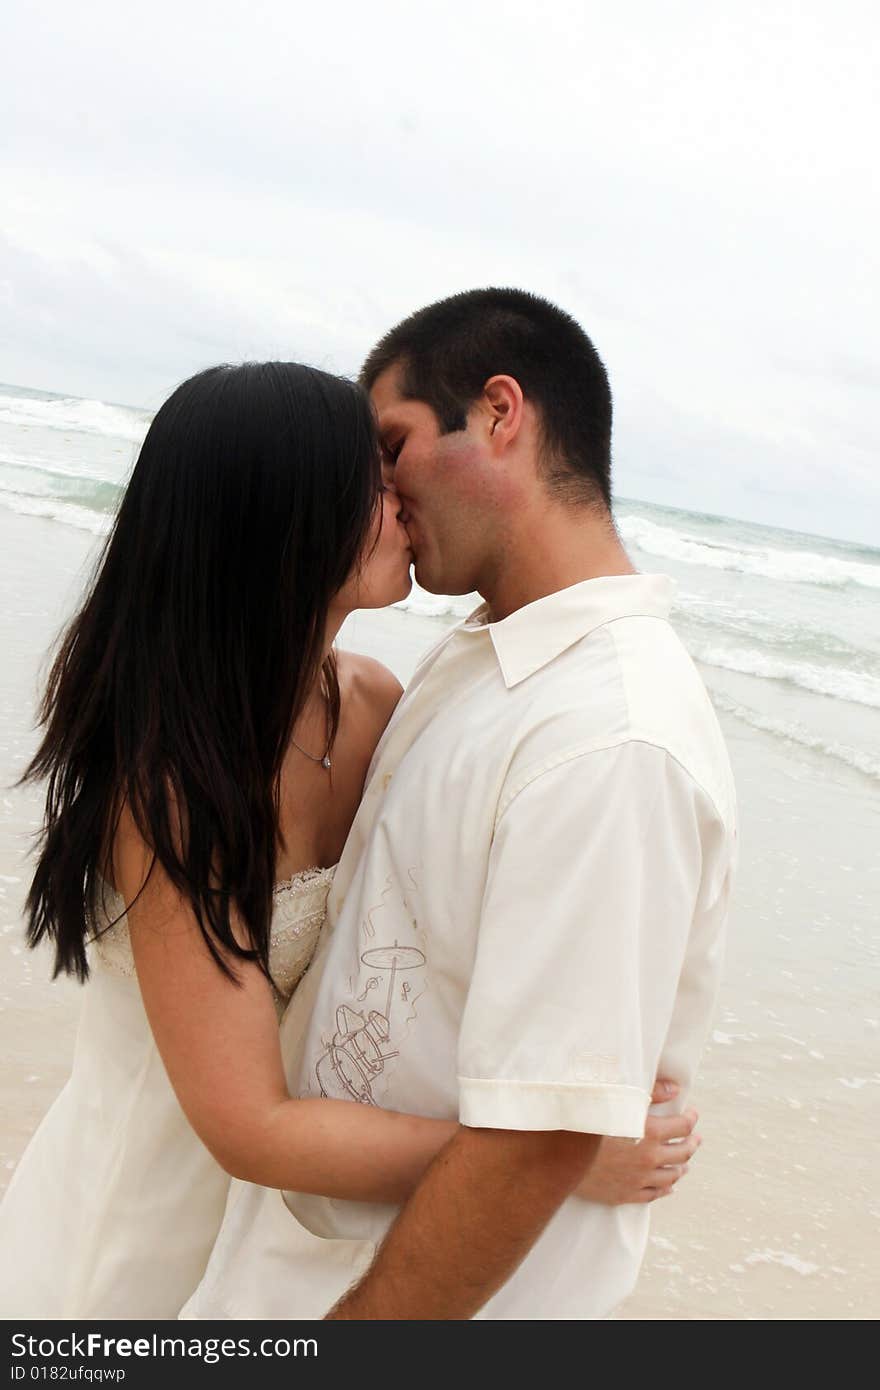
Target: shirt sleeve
point(596, 881)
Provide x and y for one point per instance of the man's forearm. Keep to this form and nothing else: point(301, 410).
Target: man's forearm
point(470, 1222)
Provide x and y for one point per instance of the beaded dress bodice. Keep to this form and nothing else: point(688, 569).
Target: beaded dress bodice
point(300, 906)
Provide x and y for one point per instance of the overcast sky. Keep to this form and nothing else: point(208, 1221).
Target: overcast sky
point(695, 180)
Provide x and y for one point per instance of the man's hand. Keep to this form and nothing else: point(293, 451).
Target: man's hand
point(623, 1172)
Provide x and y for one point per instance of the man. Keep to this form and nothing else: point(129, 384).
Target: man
point(527, 921)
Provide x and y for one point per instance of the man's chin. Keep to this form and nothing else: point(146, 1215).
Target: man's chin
point(428, 579)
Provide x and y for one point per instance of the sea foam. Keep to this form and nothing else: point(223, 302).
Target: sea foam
point(54, 509)
point(792, 566)
point(88, 489)
point(854, 686)
point(796, 733)
point(76, 417)
point(426, 605)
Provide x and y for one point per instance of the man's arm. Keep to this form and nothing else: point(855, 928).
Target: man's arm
point(478, 1211)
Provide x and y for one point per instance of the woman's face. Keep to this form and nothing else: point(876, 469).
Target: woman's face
point(383, 573)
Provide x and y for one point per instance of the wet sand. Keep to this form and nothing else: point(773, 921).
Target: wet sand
point(779, 1217)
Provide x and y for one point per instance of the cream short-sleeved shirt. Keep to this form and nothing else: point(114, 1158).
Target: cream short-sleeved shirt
point(526, 925)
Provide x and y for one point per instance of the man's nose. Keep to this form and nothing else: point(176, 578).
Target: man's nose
point(388, 475)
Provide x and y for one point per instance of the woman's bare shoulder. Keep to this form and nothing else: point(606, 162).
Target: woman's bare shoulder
point(368, 683)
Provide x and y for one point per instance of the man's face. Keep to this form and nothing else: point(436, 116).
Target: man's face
point(442, 483)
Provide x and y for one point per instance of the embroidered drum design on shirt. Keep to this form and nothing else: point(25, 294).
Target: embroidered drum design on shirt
point(362, 1045)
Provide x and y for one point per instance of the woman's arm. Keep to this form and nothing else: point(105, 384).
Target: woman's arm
point(220, 1046)
point(219, 1043)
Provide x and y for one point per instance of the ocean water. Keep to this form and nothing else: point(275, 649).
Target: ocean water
point(785, 627)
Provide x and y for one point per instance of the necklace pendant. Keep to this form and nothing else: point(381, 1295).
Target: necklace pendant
point(325, 761)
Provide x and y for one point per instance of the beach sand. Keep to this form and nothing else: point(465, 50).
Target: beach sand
point(779, 1217)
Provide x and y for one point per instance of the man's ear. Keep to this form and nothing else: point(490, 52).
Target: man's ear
point(502, 409)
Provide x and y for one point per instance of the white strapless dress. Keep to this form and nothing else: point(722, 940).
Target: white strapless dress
point(115, 1204)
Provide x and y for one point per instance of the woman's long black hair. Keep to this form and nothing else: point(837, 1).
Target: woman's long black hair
point(176, 687)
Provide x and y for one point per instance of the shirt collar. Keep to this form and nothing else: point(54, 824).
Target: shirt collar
point(532, 636)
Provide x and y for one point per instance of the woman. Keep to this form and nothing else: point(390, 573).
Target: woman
point(205, 752)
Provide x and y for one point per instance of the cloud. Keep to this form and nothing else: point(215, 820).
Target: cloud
point(203, 183)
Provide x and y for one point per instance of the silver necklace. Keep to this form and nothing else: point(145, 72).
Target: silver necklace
point(324, 761)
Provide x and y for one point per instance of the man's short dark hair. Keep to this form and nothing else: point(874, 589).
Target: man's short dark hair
point(449, 350)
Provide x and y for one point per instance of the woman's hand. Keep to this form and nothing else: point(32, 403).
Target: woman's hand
point(623, 1172)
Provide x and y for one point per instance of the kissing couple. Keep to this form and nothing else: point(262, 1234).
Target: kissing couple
point(487, 912)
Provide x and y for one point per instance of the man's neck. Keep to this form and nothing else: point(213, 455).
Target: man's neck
point(559, 550)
